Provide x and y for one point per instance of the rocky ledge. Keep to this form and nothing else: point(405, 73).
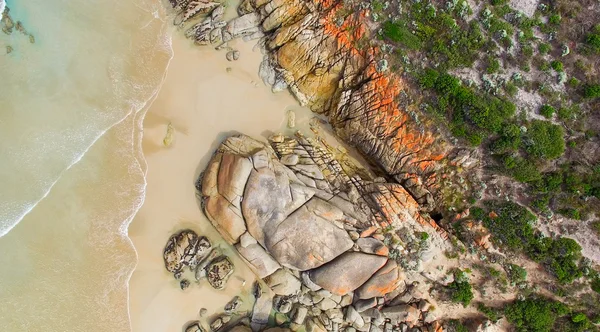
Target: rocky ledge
point(319, 49)
point(336, 252)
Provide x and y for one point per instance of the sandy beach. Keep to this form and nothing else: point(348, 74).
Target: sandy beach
point(205, 102)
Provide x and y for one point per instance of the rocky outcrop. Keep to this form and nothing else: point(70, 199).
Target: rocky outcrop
point(187, 249)
point(319, 50)
point(326, 244)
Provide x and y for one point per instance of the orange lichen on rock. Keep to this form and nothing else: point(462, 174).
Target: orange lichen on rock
point(324, 54)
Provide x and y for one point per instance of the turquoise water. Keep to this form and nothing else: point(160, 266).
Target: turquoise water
point(92, 63)
point(72, 173)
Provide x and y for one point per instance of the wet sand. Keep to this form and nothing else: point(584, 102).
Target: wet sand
point(205, 103)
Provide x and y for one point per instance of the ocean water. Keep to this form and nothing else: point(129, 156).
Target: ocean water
point(71, 171)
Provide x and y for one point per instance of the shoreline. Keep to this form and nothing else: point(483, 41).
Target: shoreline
point(204, 102)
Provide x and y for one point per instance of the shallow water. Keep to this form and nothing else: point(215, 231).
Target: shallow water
point(72, 172)
point(93, 63)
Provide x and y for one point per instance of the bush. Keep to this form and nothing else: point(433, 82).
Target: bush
point(509, 139)
point(428, 78)
point(554, 19)
point(544, 48)
point(457, 326)
point(596, 285)
point(593, 40)
point(512, 228)
point(565, 113)
point(544, 140)
point(547, 111)
point(461, 292)
point(534, 315)
point(491, 313)
point(400, 34)
point(493, 66)
point(557, 65)
point(591, 91)
point(515, 273)
point(521, 169)
point(559, 256)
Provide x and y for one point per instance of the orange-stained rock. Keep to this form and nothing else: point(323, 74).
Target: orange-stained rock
point(226, 218)
point(371, 245)
point(347, 272)
point(317, 46)
point(369, 231)
point(384, 281)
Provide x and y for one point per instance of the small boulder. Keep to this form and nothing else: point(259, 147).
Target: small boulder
point(218, 272)
point(402, 313)
point(283, 282)
point(371, 245)
point(194, 327)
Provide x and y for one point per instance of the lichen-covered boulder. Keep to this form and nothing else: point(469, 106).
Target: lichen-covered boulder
point(185, 248)
point(218, 272)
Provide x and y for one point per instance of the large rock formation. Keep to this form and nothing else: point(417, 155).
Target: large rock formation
point(318, 237)
point(320, 50)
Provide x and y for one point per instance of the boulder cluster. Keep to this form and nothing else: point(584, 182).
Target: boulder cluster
point(331, 248)
point(187, 249)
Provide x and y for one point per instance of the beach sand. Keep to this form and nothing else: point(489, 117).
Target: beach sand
point(205, 103)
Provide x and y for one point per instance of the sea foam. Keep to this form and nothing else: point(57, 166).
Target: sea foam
point(93, 63)
point(73, 175)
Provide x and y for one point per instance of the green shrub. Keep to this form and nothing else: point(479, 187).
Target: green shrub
point(565, 113)
point(509, 139)
point(457, 325)
point(533, 315)
point(513, 227)
point(545, 140)
point(475, 138)
point(544, 48)
point(591, 91)
point(573, 82)
point(593, 40)
point(521, 169)
point(397, 32)
point(547, 111)
point(428, 78)
point(596, 227)
point(461, 292)
point(554, 19)
point(499, 2)
point(493, 66)
point(515, 273)
point(596, 285)
point(557, 65)
point(492, 314)
point(511, 89)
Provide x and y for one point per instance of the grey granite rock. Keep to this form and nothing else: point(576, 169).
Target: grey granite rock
point(347, 272)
